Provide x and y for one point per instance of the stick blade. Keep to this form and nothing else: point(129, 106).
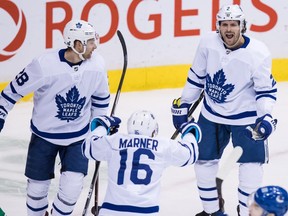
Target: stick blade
point(228, 164)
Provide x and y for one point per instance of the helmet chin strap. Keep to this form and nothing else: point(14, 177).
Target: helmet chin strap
point(80, 54)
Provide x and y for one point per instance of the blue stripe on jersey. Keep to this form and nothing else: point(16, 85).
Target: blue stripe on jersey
point(100, 98)
point(128, 208)
point(236, 116)
point(207, 189)
point(266, 92)
point(242, 192)
point(1, 107)
point(194, 153)
point(36, 209)
point(8, 98)
point(59, 211)
point(195, 83)
point(189, 152)
point(59, 135)
point(199, 77)
point(266, 95)
point(13, 89)
point(209, 199)
point(242, 203)
point(100, 105)
point(90, 150)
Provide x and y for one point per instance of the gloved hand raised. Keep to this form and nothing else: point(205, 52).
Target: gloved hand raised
point(191, 127)
point(264, 127)
point(111, 123)
point(179, 113)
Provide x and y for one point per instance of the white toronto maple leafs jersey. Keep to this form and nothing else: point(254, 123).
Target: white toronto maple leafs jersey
point(66, 96)
point(238, 83)
point(135, 167)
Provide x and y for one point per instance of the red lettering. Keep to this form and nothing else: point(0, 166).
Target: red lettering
point(113, 13)
point(270, 12)
point(178, 14)
point(156, 18)
point(50, 25)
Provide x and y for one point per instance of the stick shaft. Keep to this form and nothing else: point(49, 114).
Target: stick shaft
point(95, 178)
point(190, 112)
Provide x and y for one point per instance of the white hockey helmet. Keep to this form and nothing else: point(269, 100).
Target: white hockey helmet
point(231, 12)
point(142, 122)
point(79, 30)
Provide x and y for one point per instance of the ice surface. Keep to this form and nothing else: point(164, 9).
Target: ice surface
point(179, 195)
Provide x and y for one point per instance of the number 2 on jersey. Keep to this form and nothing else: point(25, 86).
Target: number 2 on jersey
point(135, 167)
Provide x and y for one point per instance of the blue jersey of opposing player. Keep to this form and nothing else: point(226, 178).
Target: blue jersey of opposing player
point(136, 162)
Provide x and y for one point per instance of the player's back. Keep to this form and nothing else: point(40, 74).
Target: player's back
point(135, 166)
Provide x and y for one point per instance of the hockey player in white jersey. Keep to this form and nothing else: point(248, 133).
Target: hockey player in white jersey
point(137, 160)
point(70, 88)
point(234, 71)
point(269, 200)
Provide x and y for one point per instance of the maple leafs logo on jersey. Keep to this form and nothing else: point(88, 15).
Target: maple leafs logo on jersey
point(69, 109)
point(216, 88)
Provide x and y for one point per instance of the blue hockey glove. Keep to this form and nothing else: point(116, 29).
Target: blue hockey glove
point(191, 127)
point(110, 123)
point(179, 113)
point(2, 121)
point(265, 126)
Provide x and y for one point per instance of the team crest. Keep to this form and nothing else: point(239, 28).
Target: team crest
point(216, 88)
point(70, 108)
point(78, 25)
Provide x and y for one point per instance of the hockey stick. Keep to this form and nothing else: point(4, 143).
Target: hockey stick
point(190, 112)
point(225, 170)
point(95, 178)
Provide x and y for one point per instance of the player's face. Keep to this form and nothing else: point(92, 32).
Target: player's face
point(256, 210)
point(91, 46)
point(230, 32)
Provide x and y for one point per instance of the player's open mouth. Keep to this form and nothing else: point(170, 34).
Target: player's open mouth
point(229, 35)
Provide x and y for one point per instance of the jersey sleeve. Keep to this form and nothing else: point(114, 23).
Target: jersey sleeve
point(96, 146)
point(101, 97)
point(264, 84)
point(27, 81)
point(183, 152)
point(196, 75)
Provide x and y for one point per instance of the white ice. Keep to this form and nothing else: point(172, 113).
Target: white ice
point(179, 195)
